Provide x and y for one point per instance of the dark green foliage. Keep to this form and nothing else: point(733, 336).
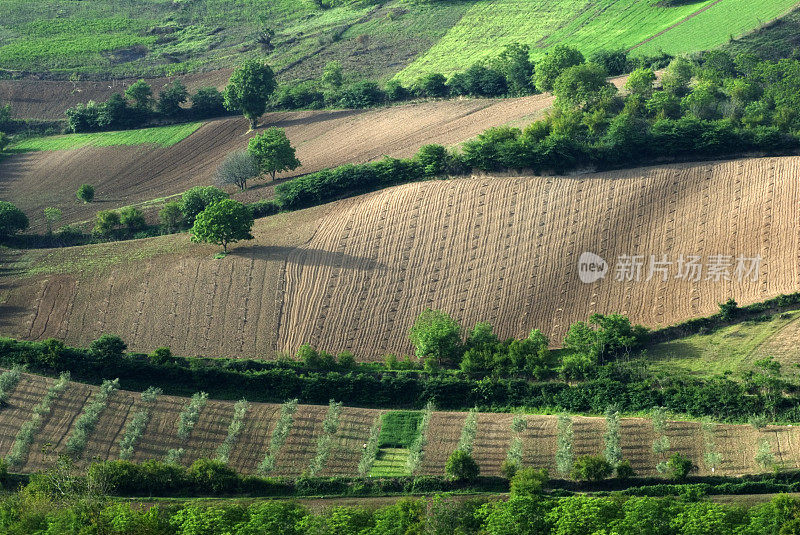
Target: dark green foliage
point(591, 468)
point(171, 217)
point(362, 95)
point(604, 337)
point(304, 95)
point(171, 98)
point(108, 349)
point(433, 159)
point(431, 85)
point(557, 60)
point(141, 94)
point(624, 470)
point(272, 152)
point(680, 467)
point(223, 222)
point(132, 218)
point(728, 310)
point(105, 222)
point(249, 89)
point(478, 81)
point(197, 199)
point(12, 219)
point(461, 466)
point(207, 102)
point(85, 193)
point(399, 429)
point(437, 336)
point(528, 482)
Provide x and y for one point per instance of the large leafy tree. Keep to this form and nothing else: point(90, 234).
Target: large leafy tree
point(273, 152)
point(249, 89)
point(436, 335)
point(223, 222)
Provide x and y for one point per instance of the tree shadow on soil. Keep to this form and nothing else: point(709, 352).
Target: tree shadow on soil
point(308, 257)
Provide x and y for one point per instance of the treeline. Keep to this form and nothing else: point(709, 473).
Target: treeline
point(137, 106)
point(628, 386)
point(707, 108)
point(57, 501)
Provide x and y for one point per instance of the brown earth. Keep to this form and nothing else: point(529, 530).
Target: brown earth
point(32, 98)
point(736, 443)
point(323, 139)
point(353, 275)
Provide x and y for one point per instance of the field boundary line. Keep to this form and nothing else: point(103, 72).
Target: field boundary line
point(679, 23)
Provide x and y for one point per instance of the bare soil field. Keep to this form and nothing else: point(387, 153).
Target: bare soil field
point(129, 175)
point(33, 98)
point(736, 443)
point(353, 275)
point(323, 139)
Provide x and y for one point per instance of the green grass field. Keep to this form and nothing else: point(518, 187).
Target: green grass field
point(731, 349)
point(399, 428)
point(390, 462)
point(163, 136)
point(590, 25)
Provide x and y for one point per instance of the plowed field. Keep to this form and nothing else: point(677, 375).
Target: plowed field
point(134, 174)
point(355, 274)
point(736, 443)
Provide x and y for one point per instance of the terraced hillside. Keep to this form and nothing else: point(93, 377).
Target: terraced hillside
point(493, 436)
point(356, 273)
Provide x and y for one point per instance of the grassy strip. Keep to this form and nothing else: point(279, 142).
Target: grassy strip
point(279, 435)
point(8, 381)
point(135, 429)
point(370, 449)
point(163, 136)
point(87, 421)
point(399, 429)
point(329, 428)
point(564, 454)
point(22, 443)
point(417, 450)
point(234, 428)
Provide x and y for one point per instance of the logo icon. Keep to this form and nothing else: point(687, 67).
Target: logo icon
point(591, 268)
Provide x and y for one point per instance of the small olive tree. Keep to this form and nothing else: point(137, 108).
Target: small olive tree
point(237, 168)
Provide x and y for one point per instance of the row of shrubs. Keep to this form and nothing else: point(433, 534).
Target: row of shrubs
point(207, 477)
point(722, 398)
point(137, 107)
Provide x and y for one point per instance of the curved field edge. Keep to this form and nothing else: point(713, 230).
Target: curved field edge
point(492, 439)
point(354, 274)
point(591, 26)
point(162, 136)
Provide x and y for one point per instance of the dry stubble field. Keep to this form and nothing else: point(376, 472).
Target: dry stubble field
point(353, 275)
point(736, 443)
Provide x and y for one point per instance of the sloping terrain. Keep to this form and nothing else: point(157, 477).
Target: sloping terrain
point(592, 25)
point(356, 273)
point(132, 174)
point(376, 39)
point(736, 443)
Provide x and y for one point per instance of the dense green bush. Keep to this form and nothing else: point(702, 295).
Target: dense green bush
point(461, 466)
point(12, 219)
